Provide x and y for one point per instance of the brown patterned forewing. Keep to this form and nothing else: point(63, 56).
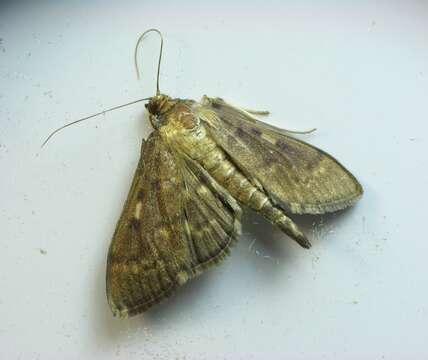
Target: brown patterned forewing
point(299, 177)
point(174, 224)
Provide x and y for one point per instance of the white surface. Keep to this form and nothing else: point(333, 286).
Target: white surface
point(357, 73)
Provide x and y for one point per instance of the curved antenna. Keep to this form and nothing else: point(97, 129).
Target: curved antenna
point(91, 116)
point(160, 55)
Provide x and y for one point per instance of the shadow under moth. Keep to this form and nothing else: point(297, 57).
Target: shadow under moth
point(202, 163)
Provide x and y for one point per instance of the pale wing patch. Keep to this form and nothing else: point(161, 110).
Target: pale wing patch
point(138, 207)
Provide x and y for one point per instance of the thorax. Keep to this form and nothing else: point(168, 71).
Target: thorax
point(184, 131)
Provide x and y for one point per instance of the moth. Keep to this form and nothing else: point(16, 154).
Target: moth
point(204, 162)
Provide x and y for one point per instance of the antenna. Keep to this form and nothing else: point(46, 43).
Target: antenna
point(160, 55)
point(91, 116)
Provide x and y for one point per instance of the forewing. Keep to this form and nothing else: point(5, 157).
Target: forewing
point(170, 229)
point(299, 177)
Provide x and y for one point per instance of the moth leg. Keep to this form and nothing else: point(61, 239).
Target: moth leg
point(218, 102)
point(257, 112)
point(250, 112)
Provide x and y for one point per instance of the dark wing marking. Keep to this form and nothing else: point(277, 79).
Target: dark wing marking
point(301, 178)
point(175, 223)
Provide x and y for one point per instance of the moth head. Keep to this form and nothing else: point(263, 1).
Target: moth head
point(157, 104)
point(157, 107)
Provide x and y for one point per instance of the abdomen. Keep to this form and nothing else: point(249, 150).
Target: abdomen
point(217, 163)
